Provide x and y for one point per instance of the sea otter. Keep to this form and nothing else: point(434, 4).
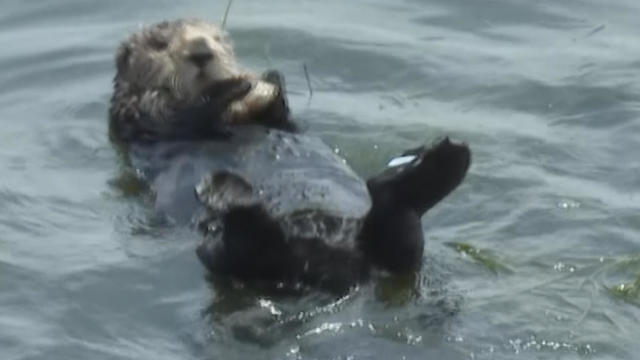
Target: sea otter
point(277, 207)
point(273, 205)
point(179, 80)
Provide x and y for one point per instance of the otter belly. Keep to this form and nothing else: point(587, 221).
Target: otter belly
point(292, 173)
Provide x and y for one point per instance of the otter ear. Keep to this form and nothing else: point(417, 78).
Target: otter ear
point(122, 57)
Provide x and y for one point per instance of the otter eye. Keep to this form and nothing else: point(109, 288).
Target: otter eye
point(158, 44)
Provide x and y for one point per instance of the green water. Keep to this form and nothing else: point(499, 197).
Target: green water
point(535, 256)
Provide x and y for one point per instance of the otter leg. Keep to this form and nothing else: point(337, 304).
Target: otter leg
point(252, 244)
point(392, 232)
point(256, 242)
point(242, 238)
point(255, 247)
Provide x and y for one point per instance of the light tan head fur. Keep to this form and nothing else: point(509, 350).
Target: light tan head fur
point(182, 57)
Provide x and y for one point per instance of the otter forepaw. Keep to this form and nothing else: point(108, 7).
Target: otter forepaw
point(261, 96)
point(265, 103)
point(276, 78)
point(224, 92)
point(277, 113)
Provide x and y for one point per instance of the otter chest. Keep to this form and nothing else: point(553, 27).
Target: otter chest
point(298, 178)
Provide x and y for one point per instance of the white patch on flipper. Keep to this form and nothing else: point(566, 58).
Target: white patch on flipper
point(401, 160)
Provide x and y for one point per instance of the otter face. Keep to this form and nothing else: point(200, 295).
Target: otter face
point(183, 57)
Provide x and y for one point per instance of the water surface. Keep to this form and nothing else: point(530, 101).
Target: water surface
point(545, 93)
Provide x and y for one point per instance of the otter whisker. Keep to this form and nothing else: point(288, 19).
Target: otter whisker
point(176, 85)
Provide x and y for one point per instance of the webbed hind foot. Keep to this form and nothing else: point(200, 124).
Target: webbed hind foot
point(392, 232)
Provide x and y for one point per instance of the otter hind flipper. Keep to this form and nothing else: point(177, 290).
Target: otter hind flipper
point(392, 232)
point(427, 177)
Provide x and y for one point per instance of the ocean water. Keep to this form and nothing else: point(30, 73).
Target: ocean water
point(535, 256)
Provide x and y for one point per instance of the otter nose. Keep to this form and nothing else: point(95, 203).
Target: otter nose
point(200, 53)
point(200, 59)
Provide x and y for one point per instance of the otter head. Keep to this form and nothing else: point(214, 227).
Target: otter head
point(182, 57)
